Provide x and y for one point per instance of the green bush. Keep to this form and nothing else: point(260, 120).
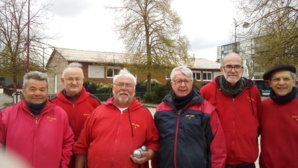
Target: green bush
point(99, 87)
point(149, 97)
point(142, 85)
point(158, 92)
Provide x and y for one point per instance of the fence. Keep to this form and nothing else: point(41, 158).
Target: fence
point(8, 91)
point(101, 96)
point(106, 96)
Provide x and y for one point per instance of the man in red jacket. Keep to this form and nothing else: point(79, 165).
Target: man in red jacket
point(75, 100)
point(117, 128)
point(279, 122)
point(35, 128)
point(238, 103)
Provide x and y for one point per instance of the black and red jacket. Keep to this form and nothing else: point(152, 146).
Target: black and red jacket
point(190, 138)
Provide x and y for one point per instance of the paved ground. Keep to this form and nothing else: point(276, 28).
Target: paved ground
point(5, 99)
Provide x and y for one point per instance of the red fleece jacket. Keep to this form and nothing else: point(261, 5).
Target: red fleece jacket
point(44, 141)
point(79, 111)
point(109, 136)
point(239, 117)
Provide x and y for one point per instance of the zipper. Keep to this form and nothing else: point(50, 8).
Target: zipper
point(234, 130)
point(36, 120)
point(117, 135)
point(176, 138)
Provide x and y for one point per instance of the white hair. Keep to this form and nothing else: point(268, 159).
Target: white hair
point(34, 75)
point(186, 71)
point(73, 65)
point(126, 73)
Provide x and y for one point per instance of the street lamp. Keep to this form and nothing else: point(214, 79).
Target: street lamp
point(28, 38)
point(244, 25)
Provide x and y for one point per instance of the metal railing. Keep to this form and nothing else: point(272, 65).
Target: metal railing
point(101, 96)
point(106, 96)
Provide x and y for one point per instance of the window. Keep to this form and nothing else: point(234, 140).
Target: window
point(197, 75)
point(207, 76)
point(216, 74)
point(168, 77)
point(95, 71)
point(168, 74)
point(112, 71)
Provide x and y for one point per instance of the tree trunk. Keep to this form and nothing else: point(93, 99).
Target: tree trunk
point(149, 82)
point(14, 83)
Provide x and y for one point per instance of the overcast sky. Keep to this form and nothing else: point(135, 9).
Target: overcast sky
point(87, 25)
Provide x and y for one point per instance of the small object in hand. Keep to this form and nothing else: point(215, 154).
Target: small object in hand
point(144, 148)
point(137, 153)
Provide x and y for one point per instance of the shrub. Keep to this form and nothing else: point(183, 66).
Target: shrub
point(158, 93)
point(142, 85)
point(149, 97)
point(99, 87)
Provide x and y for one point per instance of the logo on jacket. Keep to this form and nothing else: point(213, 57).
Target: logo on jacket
point(135, 125)
point(51, 118)
point(251, 99)
point(190, 116)
point(295, 117)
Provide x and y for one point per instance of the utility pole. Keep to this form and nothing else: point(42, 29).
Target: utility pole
point(244, 25)
point(43, 68)
point(28, 39)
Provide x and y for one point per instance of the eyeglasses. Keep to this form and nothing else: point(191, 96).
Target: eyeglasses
point(73, 79)
point(279, 79)
point(230, 67)
point(179, 82)
point(125, 85)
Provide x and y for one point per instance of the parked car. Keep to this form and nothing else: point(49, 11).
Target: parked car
point(263, 87)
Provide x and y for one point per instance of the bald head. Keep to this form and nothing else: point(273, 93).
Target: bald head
point(231, 57)
point(73, 79)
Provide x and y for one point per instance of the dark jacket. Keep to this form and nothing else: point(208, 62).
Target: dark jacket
point(193, 138)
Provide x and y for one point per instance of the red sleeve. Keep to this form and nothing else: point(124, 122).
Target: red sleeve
point(258, 104)
point(218, 145)
point(81, 146)
point(67, 143)
point(152, 136)
point(2, 130)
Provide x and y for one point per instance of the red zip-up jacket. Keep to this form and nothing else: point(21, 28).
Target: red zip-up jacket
point(79, 111)
point(44, 141)
point(109, 136)
point(239, 117)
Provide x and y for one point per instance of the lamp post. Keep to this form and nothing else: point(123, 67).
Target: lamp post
point(28, 39)
point(244, 25)
point(43, 68)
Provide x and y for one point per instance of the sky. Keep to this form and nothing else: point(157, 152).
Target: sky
point(88, 25)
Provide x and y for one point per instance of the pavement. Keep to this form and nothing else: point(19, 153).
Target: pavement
point(5, 99)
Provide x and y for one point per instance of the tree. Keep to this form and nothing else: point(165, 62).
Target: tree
point(274, 30)
point(13, 38)
point(151, 34)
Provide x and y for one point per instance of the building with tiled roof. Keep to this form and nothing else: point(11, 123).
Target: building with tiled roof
point(101, 66)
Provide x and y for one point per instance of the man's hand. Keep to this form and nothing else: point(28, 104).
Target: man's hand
point(146, 155)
